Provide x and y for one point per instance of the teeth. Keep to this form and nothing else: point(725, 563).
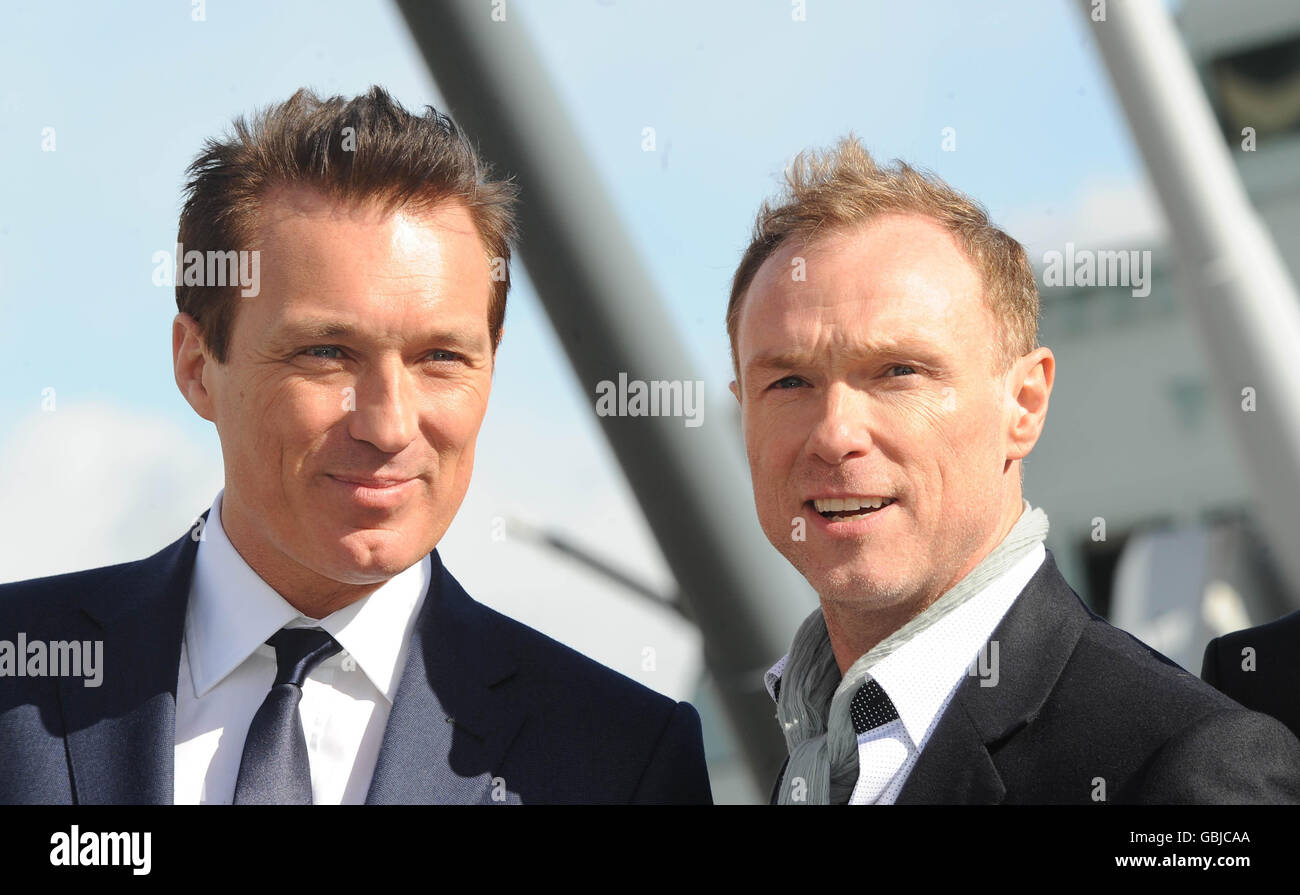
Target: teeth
point(850, 504)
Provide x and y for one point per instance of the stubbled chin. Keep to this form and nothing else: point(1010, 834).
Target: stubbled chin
point(860, 575)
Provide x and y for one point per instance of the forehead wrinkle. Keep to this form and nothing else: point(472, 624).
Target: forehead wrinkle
point(888, 329)
point(916, 285)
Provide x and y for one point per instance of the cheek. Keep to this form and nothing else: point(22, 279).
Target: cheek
point(771, 451)
point(968, 456)
point(453, 420)
point(937, 442)
point(250, 421)
point(296, 419)
point(307, 410)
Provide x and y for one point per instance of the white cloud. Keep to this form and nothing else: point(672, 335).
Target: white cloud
point(1104, 214)
point(93, 484)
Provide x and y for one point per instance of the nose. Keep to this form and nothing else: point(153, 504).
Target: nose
point(842, 431)
point(386, 413)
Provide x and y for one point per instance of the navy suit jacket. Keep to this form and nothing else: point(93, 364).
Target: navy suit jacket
point(487, 709)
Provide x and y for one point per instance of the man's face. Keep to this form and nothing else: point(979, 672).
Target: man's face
point(354, 389)
point(874, 380)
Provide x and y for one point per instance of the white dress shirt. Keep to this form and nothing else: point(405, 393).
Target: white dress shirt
point(921, 677)
point(227, 669)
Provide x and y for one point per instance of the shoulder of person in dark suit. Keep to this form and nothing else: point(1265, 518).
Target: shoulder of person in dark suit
point(35, 769)
point(1227, 755)
point(1082, 712)
point(1206, 749)
point(37, 607)
point(1259, 667)
point(1123, 712)
point(588, 720)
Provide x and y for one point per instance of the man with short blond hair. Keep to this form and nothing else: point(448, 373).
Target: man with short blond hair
point(884, 336)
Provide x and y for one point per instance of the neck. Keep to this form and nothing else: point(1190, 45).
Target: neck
point(854, 630)
point(309, 592)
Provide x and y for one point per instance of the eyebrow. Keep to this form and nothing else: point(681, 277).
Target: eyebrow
point(315, 329)
point(792, 358)
point(324, 330)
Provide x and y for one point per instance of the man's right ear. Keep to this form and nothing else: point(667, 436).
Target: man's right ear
point(189, 360)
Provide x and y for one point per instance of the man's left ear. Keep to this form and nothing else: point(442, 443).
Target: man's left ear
point(1030, 387)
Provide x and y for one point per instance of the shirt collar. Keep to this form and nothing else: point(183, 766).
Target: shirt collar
point(232, 612)
point(376, 630)
point(920, 675)
point(772, 677)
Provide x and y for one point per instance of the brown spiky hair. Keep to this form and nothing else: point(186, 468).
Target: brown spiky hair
point(364, 149)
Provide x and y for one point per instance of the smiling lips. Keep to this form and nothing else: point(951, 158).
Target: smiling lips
point(841, 509)
point(366, 482)
point(377, 493)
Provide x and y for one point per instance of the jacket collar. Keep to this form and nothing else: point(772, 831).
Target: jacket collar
point(1034, 641)
point(448, 731)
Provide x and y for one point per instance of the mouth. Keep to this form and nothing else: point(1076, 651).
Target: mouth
point(375, 493)
point(844, 509)
point(364, 482)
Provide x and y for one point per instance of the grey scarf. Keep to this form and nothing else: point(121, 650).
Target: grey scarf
point(823, 765)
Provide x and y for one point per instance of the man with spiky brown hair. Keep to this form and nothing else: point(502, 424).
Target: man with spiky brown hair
point(304, 643)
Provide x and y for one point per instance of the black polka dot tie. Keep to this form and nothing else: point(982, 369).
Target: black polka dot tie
point(871, 707)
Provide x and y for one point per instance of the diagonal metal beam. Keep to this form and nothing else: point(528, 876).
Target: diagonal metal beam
point(690, 482)
point(1238, 290)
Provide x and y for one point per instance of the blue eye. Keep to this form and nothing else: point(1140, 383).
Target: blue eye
point(441, 355)
point(315, 348)
point(787, 382)
point(910, 370)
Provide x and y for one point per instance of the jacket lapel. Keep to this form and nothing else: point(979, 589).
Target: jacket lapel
point(1035, 639)
point(451, 722)
point(955, 766)
point(447, 734)
point(121, 735)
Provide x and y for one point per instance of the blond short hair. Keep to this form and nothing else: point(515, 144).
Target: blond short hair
point(828, 191)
